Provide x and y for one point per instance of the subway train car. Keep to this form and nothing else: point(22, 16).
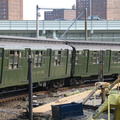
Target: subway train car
point(87, 57)
point(50, 62)
point(55, 63)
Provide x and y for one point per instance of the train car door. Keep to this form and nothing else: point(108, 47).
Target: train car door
point(1, 63)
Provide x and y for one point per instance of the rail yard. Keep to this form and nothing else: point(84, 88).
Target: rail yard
point(17, 108)
point(55, 64)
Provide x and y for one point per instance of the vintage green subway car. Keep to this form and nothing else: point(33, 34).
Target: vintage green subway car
point(49, 62)
point(87, 62)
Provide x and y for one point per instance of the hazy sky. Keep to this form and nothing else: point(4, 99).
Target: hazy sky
point(30, 6)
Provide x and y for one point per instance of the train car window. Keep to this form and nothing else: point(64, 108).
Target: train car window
point(16, 59)
point(119, 57)
point(116, 58)
point(57, 60)
point(70, 57)
point(91, 54)
point(13, 59)
point(80, 52)
point(38, 58)
point(32, 54)
point(85, 54)
point(7, 54)
point(77, 57)
point(96, 57)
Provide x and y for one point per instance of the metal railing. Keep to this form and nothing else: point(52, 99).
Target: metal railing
point(59, 25)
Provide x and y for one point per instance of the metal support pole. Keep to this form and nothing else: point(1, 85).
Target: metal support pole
point(101, 67)
point(86, 24)
point(103, 94)
point(90, 8)
point(37, 21)
point(30, 88)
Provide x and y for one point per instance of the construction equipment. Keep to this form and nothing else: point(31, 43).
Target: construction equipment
point(112, 102)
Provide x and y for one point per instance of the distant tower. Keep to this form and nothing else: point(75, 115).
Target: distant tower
point(11, 9)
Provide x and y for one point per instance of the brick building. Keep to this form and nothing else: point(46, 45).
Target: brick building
point(104, 9)
point(60, 14)
point(11, 9)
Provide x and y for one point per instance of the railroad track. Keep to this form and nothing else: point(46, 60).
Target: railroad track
point(25, 95)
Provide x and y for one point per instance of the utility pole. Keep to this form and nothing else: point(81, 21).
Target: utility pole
point(101, 67)
point(101, 79)
point(37, 21)
point(90, 9)
point(86, 24)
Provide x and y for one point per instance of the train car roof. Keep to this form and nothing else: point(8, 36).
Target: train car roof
point(83, 42)
point(96, 47)
point(35, 43)
point(32, 46)
point(30, 39)
point(50, 40)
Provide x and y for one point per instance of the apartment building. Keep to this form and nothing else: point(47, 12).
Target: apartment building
point(11, 9)
point(104, 9)
point(60, 14)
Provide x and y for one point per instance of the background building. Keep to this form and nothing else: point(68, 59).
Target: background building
point(60, 14)
point(104, 9)
point(11, 9)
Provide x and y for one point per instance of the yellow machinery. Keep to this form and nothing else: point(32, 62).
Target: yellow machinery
point(112, 102)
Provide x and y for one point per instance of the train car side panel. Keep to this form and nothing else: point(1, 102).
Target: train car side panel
point(81, 63)
point(93, 63)
point(39, 68)
point(57, 69)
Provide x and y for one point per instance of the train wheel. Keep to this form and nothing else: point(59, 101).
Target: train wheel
point(74, 82)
